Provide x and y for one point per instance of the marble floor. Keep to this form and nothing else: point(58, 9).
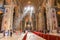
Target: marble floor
point(30, 36)
point(14, 37)
point(19, 36)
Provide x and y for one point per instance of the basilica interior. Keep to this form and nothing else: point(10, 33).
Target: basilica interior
point(30, 17)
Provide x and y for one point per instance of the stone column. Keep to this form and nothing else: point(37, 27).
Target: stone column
point(8, 18)
point(40, 24)
point(41, 20)
point(51, 16)
point(54, 19)
point(49, 20)
point(36, 21)
point(17, 18)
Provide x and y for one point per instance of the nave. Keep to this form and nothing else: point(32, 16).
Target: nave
point(29, 19)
